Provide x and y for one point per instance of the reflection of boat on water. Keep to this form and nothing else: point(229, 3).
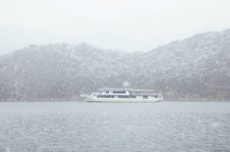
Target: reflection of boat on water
point(124, 95)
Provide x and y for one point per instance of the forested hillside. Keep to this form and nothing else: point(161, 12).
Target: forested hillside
point(196, 67)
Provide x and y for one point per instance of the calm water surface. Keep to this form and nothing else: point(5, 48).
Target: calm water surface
point(105, 127)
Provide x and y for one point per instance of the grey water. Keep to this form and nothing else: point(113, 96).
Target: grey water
point(105, 127)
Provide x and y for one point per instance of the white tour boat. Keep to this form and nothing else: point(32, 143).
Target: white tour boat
point(124, 95)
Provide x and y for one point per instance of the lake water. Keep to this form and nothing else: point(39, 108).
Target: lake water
point(105, 127)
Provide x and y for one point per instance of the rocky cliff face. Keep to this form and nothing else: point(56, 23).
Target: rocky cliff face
point(197, 67)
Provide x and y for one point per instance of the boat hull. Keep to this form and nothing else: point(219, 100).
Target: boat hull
point(130, 100)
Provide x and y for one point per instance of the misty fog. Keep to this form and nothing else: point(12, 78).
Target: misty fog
point(114, 75)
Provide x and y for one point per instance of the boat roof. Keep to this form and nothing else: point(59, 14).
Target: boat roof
point(125, 89)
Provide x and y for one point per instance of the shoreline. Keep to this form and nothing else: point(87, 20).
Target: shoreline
point(167, 100)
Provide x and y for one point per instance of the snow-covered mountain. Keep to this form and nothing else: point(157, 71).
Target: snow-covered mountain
point(58, 71)
point(197, 67)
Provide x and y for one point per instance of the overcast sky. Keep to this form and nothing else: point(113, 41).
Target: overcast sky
point(129, 25)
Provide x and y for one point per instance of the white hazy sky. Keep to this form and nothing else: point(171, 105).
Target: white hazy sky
point(129, 25)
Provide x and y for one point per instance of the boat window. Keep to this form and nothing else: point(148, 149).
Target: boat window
point(105, 96)
point(123, 96)
point(145, 97)
point(119, 91)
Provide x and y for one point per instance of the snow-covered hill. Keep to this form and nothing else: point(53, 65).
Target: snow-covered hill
point(197, 67)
